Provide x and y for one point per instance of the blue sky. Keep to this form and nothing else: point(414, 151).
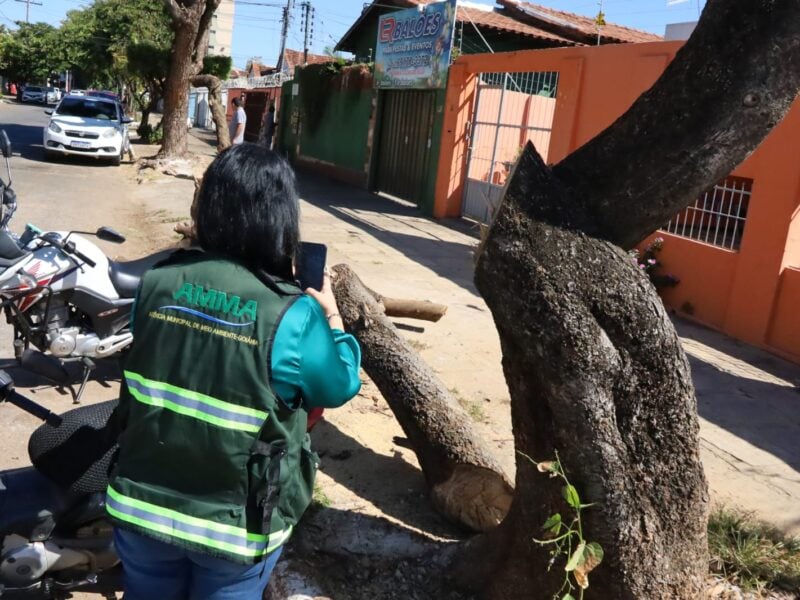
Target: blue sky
point(257, 29)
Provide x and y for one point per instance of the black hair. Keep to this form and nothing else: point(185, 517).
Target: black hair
point(247, 210)
point(237, 101)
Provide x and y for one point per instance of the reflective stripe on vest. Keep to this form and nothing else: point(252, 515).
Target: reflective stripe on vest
point(192, 404)
point(233, 540)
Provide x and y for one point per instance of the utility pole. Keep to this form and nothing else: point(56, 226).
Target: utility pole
point(287, 16)
point(28, 8)
point(308, 18)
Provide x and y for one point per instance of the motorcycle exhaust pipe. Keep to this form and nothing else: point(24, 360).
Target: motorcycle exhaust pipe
point(44, 365)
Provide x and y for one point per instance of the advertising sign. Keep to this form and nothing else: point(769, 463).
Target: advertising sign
point(414, 46)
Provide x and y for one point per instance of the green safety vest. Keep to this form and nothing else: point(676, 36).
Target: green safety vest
point(209, 459)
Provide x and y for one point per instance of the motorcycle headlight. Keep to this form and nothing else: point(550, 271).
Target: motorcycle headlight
point(54, 127)
point(110, 133)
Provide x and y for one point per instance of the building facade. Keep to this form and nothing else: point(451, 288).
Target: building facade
point(220, 35)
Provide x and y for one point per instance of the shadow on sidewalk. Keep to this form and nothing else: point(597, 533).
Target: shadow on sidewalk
point(411, 233)
point(394, 486)
point(746, 391)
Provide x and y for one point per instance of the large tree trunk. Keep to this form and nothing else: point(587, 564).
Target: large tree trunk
point(595, 369)
point(191, 20)
point(467, 484)
point(176, 95)
point(214, 86)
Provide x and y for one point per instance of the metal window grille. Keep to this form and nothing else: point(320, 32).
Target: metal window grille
point(718, 216)
point(507, 117)
point(511, 109)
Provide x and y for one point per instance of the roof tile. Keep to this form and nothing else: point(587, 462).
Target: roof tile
point(585, 25)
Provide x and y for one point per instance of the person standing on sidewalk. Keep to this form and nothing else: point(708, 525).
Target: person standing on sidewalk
point(214, 468)
point(238, 122)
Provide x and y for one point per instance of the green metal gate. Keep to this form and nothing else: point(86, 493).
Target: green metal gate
point(405, 143)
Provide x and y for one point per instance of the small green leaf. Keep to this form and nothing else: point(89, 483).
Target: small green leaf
point(553, 524)
point(571, 496)
point(595, 552)
point(577, 557)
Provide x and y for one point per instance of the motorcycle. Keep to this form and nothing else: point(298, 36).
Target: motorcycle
point(55, 537)
point(67, 301)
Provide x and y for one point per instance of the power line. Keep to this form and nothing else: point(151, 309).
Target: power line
point(28, 8)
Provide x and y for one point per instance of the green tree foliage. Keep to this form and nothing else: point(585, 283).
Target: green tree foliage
point(121, 45)
point(218, 66)
point(32, 52)
point(99, 38)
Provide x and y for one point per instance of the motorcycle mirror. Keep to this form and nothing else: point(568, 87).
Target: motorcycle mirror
point(5, 144)
point(107, 234)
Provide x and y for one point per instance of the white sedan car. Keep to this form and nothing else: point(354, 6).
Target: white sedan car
point(87, 126)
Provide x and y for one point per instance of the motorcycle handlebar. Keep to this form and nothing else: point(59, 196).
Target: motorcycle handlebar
point(9, 394)
point(85, 258)
point(32, 408)
point(70, 248)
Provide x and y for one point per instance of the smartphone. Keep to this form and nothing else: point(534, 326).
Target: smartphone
point(310, 268)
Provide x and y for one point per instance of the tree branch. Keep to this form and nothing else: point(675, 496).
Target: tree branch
point(731, 83)
point(201, 42)
point(175, 11)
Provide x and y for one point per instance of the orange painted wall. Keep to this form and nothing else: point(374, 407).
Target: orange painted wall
point(784, 332)
point(750, 294)
point(712, 268)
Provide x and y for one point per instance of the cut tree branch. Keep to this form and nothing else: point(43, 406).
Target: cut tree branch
point(467, 484)
point(413, 309)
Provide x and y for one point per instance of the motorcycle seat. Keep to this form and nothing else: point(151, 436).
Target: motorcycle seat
point(125, 276)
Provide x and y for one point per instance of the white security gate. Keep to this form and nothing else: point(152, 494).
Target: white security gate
point(511, 109)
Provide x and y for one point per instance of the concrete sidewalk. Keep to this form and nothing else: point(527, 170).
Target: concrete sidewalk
point(749, 401)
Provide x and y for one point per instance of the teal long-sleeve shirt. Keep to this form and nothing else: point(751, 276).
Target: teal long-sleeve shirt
point(312, 364)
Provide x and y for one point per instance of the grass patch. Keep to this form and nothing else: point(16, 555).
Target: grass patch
point(474, 409)
point(418, 345)
point(753, 555)
point(320, 498)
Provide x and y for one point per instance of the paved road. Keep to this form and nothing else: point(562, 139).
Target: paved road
point(64, 194)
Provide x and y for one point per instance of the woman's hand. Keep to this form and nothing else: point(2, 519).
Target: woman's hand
point(327, 301)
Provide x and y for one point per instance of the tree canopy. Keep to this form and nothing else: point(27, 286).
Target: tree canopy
point(96, 44)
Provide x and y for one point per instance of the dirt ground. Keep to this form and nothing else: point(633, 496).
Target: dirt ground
point(371, 503)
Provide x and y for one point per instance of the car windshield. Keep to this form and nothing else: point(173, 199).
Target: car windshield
point(87, 108)
point(33, 88)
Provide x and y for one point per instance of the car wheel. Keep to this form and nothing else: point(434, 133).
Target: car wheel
point(49, 156)
point(117, 160)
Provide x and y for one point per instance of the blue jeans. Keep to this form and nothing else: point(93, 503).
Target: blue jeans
point(154, 570)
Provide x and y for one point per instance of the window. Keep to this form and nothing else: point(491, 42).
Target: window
point(718, 216)
point(88, 109)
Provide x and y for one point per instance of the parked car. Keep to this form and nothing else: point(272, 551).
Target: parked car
point(87, 126)
point(77, 93)
point(34, 93)
point(53, 95)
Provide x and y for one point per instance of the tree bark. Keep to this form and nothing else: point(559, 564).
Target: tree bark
point(176, 94)
point(191, 20)
point(214, 86)
point(467, 484)
point(594, 366)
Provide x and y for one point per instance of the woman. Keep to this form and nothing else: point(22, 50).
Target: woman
point(215, 468)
